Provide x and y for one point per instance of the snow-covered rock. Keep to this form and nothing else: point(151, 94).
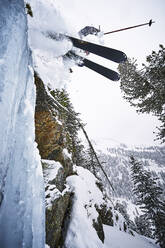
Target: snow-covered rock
point(57, 199)
point(81, 232)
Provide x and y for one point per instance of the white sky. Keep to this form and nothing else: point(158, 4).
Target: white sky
point(98, 99)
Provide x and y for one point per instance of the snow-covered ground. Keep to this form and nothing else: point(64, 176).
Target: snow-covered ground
point(117, 239)
point(81, 233)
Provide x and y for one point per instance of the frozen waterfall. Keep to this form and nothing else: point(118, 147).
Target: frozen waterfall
point(22, 222)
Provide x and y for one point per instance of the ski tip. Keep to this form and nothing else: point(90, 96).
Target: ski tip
point(114, 76)
point(117, 78)
point(123, 58)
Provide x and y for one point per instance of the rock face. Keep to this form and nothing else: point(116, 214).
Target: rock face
point(58, 199)
point(50, 134)
point(55, 220)
point(51, 140)
point(105, 217)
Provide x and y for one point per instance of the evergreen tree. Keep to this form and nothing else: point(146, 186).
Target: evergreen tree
point(149, 198)
point(160, 225)
point(145, 88)
point(143, 226)
point(122, 208)
point(71, 125)
point(90, 162)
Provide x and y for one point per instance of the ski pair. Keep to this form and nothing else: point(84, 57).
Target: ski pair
point(105, 52)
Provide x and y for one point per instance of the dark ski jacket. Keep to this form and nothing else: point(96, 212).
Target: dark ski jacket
point(88, 30)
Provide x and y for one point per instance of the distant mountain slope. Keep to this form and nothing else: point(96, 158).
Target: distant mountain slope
point(115, 158)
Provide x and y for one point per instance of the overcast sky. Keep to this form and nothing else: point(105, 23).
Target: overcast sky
point(98, 99)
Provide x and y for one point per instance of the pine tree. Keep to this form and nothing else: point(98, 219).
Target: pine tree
point(143, 226)
point(149, 198)
point(122, 208)
point(70, 124)
point(90, 162)
point(160, 226)
point(145, 88)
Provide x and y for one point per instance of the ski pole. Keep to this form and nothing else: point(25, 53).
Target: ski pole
point(122, 29)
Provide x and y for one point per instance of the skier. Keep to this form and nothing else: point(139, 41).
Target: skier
point(88, 30)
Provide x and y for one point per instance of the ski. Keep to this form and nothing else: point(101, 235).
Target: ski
point(104, 71)
point(109, 53)
point(105, 52)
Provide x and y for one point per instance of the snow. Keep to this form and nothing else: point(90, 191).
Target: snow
point(53, 167)
point(51, 67)
point(104, 144)
point(132, 209)
point(22, 222)
point(50, 173)
point(81, 233)
point(51, 170)
point(154, 167)
point(117, 239)
point(66, 154)
point(51, 194)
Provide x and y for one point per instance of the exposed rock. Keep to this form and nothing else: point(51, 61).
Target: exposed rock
point(58, 174)
point(59, 180)
point(99, 228)
point(54, 220)
point(49, 136)
point(106, 215)
point(57, 201)
point(52, 145)
point(50, 133)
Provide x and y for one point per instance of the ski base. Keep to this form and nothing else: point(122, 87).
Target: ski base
point(106, 72)
point(105, 52)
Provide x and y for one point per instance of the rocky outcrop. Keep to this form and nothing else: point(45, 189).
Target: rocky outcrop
point(58, 199)
point(50, 133)
point(55, 218)
point(57, 163)
point(98, 225)
point(106, 215)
